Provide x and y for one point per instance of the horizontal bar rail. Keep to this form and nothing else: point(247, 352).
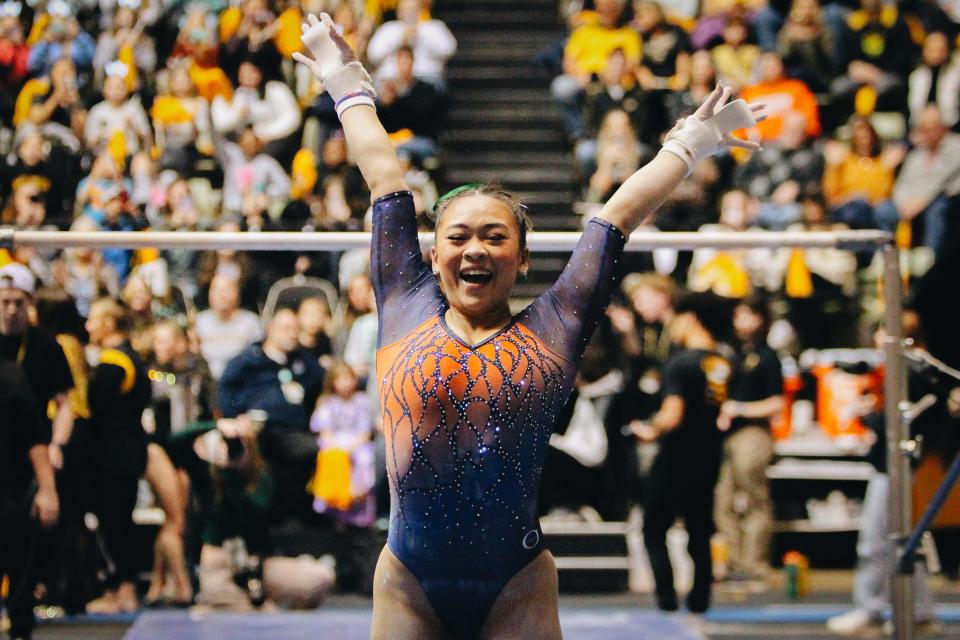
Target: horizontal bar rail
point(339, 241)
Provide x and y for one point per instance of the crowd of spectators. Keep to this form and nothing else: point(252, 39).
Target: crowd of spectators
point(861, 128)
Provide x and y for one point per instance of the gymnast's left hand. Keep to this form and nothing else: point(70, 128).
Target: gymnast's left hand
point(709, 130)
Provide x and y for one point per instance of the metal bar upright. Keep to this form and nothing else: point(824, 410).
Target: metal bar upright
point(898, 465)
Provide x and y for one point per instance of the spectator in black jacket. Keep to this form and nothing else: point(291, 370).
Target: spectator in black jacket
point(409, 103)
point(877, 53)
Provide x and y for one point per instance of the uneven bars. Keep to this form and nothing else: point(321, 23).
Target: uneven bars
point(340, 241)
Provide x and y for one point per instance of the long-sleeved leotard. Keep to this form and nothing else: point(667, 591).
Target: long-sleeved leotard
point(467, 426)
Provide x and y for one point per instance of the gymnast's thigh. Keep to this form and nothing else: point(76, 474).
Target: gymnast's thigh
point(400, 607)
point(528, 606)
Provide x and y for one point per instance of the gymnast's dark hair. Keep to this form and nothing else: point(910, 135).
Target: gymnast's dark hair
point(517, 208)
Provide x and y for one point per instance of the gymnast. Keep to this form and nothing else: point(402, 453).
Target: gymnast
point(469, 392)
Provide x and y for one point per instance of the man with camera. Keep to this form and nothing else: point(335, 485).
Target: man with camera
point(281, 379)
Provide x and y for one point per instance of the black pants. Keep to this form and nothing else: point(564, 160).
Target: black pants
point(19, 542)
point(114, 497)
point(292, 457)
point(681, 485)
point(92, 481)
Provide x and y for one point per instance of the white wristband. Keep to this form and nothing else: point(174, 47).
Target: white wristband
point(350, 86)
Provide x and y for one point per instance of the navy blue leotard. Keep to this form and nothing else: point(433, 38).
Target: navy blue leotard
point(467, 426)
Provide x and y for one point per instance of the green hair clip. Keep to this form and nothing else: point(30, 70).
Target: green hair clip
point(457, 191)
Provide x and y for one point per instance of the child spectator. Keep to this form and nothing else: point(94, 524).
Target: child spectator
point(247, 170)
point(343, 484)
point(62, 38)
point(586, 53)
point(615, 88)
point(119, 123)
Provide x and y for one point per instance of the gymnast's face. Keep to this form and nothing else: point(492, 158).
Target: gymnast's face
point(477, 255)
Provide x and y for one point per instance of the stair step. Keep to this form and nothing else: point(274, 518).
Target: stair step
point(527, 95)
point(483, 56)
point(494, 41)
point(505, 140)
point(499, 74)
point(500, 20)
point(544, 118)
point(481, 160)
point(519, 76)
point(461, 79)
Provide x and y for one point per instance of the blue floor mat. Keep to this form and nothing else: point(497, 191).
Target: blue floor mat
point(354, 624)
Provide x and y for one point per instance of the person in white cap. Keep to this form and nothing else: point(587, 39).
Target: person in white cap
point(36, 352)
point(43, 369)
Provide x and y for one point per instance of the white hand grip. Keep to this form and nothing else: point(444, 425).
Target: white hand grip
point(733, 116)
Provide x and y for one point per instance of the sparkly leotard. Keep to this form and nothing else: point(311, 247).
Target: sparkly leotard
point(467, 426)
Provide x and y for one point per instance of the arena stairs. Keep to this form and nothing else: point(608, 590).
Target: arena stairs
point(503, 126)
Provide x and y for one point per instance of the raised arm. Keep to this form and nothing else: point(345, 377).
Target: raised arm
point(407, 292)
point(690, 141)
point(345, 79)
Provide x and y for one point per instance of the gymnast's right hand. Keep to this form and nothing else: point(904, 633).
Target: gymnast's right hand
point(335, 64)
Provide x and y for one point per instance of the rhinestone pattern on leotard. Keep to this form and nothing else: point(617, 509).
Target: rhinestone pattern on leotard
point(466, 431)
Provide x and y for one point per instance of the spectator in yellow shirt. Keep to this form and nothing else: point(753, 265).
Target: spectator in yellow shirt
point(859, 177)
